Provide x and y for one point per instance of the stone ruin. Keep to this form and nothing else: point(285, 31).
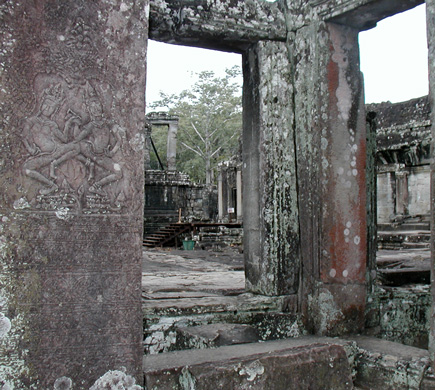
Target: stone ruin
point(71, 167)
point(170, 195)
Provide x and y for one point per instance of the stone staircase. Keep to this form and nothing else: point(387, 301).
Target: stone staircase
point(254, 342)
point(167, 235)
point(306, 362)
point(411, 233)
point(217, 336)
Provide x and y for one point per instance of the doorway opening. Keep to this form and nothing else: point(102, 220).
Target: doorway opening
point(195, 263)
point(394, 64)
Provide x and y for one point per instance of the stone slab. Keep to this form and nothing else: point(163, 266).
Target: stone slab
point(303, 363)
point(216, 335)
point(382, 364)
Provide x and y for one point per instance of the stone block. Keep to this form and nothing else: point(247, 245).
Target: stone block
point(305, 363)
point(386, 365)
point(215, 335)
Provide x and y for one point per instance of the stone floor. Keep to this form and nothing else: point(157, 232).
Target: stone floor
point(169, 274)
point(199, 273)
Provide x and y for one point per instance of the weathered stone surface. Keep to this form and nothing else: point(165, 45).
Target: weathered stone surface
point(215, 335)
point(270, 218)
point(404, 314)
point(291, 364)
point(330, 145)
point(382, 364)
point(430, 20)
point(216, 24)
point(72, 114)
point(360, 14)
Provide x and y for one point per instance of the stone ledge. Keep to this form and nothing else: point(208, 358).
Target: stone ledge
point(386, 365)
point(306, 362)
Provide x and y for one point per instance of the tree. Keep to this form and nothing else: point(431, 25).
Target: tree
point(210, 122)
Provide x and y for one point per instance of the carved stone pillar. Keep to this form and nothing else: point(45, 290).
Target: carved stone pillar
point(71, 173)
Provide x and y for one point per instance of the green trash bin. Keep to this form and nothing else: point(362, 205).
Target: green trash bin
point(188, 245)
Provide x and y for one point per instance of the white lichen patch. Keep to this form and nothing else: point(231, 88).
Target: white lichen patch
point(21, 204)
point(5, 325)
point(137, 143)
point(116, 379)
point(63, 213)
point(63, 383)
point(252, 370)
point(186, 380)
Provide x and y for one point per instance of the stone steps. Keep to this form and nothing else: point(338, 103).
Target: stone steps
point(381, 364)
point(202, 321)
point(307, 362)
point(303, 363)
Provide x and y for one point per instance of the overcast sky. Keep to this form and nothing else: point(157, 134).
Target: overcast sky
point(393, 60)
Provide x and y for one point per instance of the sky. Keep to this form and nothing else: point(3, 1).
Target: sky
point(393, 61)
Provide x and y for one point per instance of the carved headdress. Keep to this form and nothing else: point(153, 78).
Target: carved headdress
point(90, 93)
point(53, 93)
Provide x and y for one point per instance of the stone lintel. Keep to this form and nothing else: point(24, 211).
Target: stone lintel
point(216, 24)
point(361, 14)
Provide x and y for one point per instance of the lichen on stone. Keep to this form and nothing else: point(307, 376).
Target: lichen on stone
point(63, 383)
point(115, 380)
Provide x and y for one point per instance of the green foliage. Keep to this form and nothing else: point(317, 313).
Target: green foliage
point(210, 123)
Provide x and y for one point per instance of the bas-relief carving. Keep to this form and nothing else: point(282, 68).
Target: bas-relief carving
point(75, 152)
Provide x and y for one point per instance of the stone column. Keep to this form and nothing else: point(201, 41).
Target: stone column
point(430, 20)
point(171, 156)
point(271, 230)
point(402, 199)
point(71, 204)
point(147, 151)
point(239, 195)
point(220, 197)
point(331, 161)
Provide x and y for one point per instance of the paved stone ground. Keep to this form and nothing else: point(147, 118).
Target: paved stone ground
point(185, 274)
point(170, 273)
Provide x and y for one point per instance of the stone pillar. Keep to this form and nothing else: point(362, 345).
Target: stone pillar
point(239, 195)
point(402, 199)
point(271, 231)
point(171, 156)
point(331, 161)
point(220, 197)
point(147, 151)
point(71, 204)
point(372, 308)
point(430, 20)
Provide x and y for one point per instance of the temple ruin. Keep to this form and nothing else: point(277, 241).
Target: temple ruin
point(72, 121)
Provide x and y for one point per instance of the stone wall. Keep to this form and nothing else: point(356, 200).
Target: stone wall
point(403, 159)
point(166, 192)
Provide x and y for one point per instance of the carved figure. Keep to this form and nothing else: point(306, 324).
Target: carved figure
point(98, 148)
point(95, 144)
point(42, 138)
